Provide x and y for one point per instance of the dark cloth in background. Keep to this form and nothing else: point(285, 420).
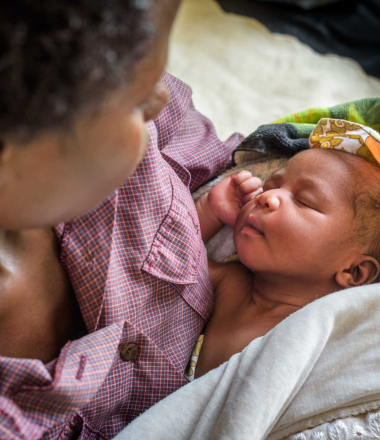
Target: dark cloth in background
point(350, 28)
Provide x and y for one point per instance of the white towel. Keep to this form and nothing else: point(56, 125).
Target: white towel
point(321, 363)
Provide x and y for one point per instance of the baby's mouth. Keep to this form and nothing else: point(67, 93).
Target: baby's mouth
point(251, 227)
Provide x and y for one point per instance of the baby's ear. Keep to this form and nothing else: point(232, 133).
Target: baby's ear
point(365, 270)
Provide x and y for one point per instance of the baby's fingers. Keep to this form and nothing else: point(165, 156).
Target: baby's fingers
point(250, 196)
point(250, 185)
point(240, 177)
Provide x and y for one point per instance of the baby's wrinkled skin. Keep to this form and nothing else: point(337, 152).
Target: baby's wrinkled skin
point(293, 239)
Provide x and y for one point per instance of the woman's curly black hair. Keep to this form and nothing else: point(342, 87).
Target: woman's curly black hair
point(61, 56)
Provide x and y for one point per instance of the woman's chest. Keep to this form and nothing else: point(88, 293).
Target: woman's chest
point(38, 306)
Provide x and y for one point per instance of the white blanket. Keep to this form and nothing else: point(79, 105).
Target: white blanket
point(321, 363)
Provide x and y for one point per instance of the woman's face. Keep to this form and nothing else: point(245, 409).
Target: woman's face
point(57, 177)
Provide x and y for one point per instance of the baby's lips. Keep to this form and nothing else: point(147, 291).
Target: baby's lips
point(252, 222)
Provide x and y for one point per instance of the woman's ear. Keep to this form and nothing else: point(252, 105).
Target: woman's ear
point(364, 271)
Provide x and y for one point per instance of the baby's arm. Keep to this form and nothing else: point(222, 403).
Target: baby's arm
point(222, 204)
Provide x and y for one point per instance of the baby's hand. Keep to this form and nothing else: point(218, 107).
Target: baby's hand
point(231, 194)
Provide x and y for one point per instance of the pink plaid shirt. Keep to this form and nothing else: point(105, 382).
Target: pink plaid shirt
point(139, 270)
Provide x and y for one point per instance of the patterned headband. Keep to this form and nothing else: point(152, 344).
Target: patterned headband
point(347, 136)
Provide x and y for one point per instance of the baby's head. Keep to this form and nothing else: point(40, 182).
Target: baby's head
point(317, 221)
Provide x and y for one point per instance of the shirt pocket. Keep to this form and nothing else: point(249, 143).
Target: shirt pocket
point(177, 246)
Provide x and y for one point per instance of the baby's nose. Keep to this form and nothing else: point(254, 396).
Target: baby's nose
point(269, 200)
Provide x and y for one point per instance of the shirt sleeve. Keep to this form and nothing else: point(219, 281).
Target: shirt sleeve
point(190, 138)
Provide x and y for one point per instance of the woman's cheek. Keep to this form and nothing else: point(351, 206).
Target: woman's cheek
point(144, 142)
point(136, 138)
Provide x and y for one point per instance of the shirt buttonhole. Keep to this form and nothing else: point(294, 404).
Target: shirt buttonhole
point(196, 226)
point(82, 365)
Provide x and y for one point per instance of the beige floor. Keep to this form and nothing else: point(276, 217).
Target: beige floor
point(244, 76)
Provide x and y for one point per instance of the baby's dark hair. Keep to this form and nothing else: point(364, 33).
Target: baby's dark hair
point(61, 56)
point(368, 209)
point(366, 201)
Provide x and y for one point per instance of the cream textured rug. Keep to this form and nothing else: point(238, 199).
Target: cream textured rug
point(243, 75)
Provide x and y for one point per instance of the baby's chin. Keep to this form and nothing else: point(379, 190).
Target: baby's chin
point(242, 252)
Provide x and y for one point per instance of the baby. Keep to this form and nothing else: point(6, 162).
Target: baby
point(311, 230)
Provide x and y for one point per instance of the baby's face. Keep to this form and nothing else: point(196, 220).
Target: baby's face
point(299, 227)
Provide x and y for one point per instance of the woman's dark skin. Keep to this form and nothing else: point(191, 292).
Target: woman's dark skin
point(38, 310)
point(42, 183)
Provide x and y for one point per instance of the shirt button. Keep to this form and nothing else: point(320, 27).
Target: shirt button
point(129, 352)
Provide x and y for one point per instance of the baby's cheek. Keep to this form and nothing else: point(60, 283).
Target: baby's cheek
point(240, 219)
point(300, 236)
point(248, 207)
